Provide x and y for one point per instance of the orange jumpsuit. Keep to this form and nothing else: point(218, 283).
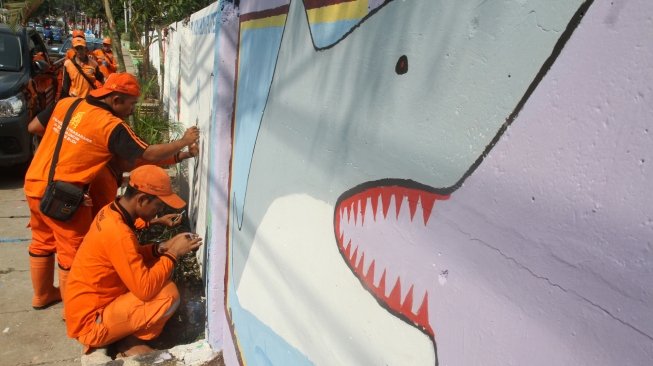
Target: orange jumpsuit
point(74, 84)
point(117, 287)
point(93, 137)
point(106, 62)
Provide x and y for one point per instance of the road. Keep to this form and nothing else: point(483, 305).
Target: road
point(28, 336)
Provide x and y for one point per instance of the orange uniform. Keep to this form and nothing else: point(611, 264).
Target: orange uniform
point(93, 136)
point(74, 83)
point(116, 287)
point(106, 62)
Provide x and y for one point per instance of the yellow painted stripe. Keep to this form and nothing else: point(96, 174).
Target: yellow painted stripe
point(334, 13)
point(273, 21)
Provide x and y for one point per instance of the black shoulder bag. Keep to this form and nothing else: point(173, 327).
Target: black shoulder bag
point(61, 199)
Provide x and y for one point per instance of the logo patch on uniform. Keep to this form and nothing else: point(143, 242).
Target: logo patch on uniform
point(77, 118)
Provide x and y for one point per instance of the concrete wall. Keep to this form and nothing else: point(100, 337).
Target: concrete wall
point(422, 182)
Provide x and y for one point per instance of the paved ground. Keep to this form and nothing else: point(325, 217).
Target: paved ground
point(129, 64)
point(29, 337)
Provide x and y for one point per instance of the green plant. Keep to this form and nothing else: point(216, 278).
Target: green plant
point(149, 121)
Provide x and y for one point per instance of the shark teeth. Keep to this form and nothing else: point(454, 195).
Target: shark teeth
point(357, 205)
point(386, 203)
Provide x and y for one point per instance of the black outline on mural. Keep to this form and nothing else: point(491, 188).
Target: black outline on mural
point(408, 183)
point(350, 31)
point(572, 25)
point(284, 9)
point(231, 206)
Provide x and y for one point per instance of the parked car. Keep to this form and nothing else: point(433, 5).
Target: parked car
point(27, 86)
point(59, 52)
point(57, 34)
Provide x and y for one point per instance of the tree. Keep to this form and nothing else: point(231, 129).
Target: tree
point(115, 36)
point(18, 12)
point(148, 21)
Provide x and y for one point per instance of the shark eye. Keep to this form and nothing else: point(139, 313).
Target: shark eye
point(402, 65)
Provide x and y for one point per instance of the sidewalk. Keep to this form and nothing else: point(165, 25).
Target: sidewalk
point(29, 337)
point(38, 337)
point(129, 63)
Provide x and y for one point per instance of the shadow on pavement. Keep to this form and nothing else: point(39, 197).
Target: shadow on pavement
point(12, 177)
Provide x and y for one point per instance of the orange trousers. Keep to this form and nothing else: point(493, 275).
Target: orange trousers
point(127, 315)
point(54, 236)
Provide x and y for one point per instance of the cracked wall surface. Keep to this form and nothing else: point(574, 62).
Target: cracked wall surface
point(423, 182)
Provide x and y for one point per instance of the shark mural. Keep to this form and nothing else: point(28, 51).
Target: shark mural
point(421, 182)
point(353, 122)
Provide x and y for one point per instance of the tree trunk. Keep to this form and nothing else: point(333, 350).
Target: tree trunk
point(146, 51)
point(162, 70)
point(116, 38)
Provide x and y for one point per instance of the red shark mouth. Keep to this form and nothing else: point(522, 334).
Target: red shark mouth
point(371, 223)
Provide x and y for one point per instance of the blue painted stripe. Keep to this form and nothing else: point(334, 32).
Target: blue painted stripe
point(14, 240)
point(325, 34)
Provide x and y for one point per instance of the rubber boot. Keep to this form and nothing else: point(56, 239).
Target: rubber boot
point(45, 294)
point(63, 277)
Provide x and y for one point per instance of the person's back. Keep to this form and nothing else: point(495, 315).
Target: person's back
point(84, 151)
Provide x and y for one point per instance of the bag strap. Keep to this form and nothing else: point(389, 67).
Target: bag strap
point(79, 68)
point(62, 132)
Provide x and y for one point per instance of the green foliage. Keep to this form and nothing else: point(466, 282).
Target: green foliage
point(153, 129)
point(149, 121)
point(94, 8)
point(16, 13)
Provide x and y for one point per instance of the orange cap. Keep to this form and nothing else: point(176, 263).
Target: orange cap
point(77, 41)
point(79, 33)
point(121, 82)
point(106, 40)
point(153, 180)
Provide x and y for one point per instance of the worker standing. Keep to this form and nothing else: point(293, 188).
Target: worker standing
point(81, 74)
point(105, 59)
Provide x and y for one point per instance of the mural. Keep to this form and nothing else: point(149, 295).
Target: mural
point(424, 182)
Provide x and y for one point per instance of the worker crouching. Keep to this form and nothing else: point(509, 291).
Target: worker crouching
point(118, 290)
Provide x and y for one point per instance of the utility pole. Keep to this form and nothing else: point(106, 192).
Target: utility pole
point(124, 8)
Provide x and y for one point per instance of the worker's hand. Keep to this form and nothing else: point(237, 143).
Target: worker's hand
point(191, 136)
point(168, 220)
point(181, 244)
point(194, 150)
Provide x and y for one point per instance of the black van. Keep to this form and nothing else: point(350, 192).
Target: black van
point(27, 86)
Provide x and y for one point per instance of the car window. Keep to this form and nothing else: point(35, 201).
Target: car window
point(11, 55)
point(90, 44)
point(96, 45)
point(65, 46)
point(36, 44)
